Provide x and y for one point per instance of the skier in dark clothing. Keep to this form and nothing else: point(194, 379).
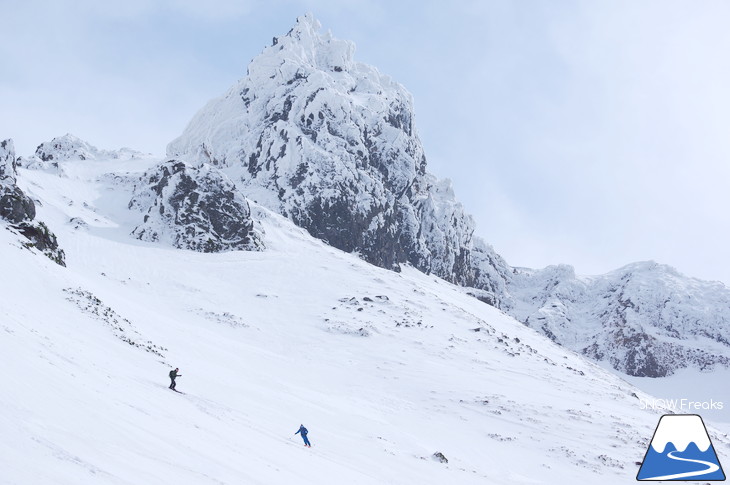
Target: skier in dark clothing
point(173, 375)
point(304, 432)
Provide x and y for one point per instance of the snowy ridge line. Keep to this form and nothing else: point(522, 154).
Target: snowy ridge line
point(70, 147)
point(645, 319)
point(49, 156)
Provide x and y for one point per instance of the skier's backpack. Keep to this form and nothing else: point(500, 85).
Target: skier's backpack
point(172, 374)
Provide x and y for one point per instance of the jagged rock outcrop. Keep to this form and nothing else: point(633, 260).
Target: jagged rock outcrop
point(644, 319)
point(15, 206)
point(331, 143)
point(194, 207)
point(19, 210)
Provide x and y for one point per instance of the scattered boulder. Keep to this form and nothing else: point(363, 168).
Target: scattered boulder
point(438, 456)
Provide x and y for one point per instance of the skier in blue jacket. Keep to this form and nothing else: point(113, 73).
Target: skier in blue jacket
point(303, 432)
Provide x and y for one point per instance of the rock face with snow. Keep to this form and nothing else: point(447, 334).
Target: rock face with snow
point(331, 144)
point(19, 210)
point(15, 206)
point(193, 207)
point(8, 175)
point(644, 319)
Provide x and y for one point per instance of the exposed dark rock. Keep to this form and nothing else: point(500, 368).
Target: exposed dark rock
point(42, 239)
point(194, 207)
point(19, 210)
point(438, 456)
point(15, 206)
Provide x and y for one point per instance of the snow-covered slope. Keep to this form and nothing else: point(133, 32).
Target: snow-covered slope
point(385, 369)
point(331, 144)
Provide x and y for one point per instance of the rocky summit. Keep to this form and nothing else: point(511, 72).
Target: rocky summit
point(331, 143)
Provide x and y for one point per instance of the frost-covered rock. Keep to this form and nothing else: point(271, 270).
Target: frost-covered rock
point(644, 319)
point(331, 143)
point(193, 207)
point(69, 147)
point(491, 275)
point(8, 171)
point(15, 206)
point(19, 210)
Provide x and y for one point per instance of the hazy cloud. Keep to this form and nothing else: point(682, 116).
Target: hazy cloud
point(585, 132)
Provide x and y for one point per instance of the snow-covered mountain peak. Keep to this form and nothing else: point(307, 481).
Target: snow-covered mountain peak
point(70, 147)
point(647, 268)
point(331, 144)
point(645, 319)
point(304, 44)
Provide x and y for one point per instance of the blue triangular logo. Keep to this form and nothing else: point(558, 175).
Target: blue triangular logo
point(681, 450)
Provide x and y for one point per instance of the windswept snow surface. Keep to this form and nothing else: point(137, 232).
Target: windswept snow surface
point(385, 369)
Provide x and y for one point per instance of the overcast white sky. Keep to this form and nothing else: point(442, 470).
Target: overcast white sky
point(594, 133)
